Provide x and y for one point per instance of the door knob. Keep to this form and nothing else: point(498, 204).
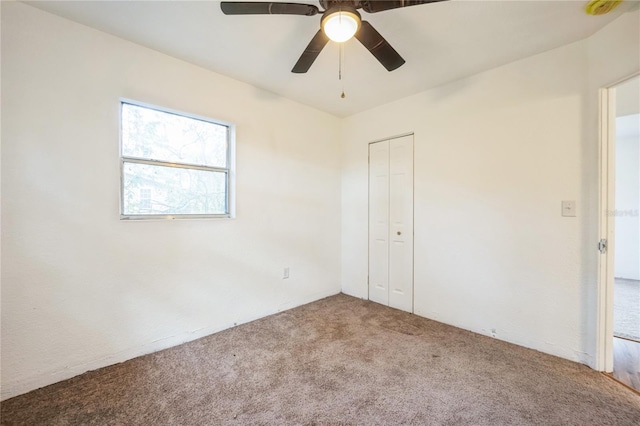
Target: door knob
point(399, 233)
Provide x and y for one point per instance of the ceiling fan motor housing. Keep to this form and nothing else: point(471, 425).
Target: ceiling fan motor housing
point(345, 10)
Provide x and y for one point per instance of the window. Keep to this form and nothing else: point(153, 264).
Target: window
point(145, 199)
point(173, 165)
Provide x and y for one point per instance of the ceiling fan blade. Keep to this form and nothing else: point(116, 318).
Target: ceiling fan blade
point(373, 6)
point(267, 8)
point(311, 52)
point(379, 47)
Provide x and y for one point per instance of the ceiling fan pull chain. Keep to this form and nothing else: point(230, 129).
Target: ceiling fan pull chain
point(340, 60)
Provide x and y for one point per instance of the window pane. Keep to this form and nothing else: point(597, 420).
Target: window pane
point(153, 134)
point(149, 190)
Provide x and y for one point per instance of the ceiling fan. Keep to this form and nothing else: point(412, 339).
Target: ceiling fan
point(340, 21)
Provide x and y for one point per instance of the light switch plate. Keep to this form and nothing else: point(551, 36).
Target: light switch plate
point(569, 208)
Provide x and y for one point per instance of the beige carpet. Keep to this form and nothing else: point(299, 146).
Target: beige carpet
point(337, 361)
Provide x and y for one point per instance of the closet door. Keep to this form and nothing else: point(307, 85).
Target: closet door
point(391, 223)
point(379, 222)
point(401, 223)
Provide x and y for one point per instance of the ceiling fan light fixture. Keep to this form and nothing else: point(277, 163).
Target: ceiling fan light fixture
point(341, 25)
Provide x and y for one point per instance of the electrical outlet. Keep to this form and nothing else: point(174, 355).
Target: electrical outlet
point(285, 275)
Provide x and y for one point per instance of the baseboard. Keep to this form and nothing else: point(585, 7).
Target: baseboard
point(545, 347)
point(9, 390)
point(19, 387)
point(626, 279)
point(626, 338)
point(357, 296)
point(309, 299)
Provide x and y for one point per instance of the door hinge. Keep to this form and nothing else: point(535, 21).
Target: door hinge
point(602, 246)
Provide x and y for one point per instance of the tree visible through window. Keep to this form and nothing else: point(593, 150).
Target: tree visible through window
point(145, 199)
point(173, 164)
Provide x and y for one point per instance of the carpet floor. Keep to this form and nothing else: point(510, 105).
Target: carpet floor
point(337, 361)
point(626, 309)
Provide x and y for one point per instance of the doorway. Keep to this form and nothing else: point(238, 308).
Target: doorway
point(620, 265)
point(391, 222)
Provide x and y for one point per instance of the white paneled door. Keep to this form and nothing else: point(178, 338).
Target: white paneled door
point(379, 222)
point(391, 223)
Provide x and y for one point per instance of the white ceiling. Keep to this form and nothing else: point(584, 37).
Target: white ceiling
point(441, 42)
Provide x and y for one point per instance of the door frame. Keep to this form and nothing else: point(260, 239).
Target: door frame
point(413, 206)
point(606, 223)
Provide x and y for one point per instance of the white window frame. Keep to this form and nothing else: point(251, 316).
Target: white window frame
point(229, 170)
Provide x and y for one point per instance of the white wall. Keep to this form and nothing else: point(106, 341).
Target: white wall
point(495, 154)
point(82, 289)
point(627, 197)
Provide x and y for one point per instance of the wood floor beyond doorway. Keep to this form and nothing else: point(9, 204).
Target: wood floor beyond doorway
point(626, 362)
